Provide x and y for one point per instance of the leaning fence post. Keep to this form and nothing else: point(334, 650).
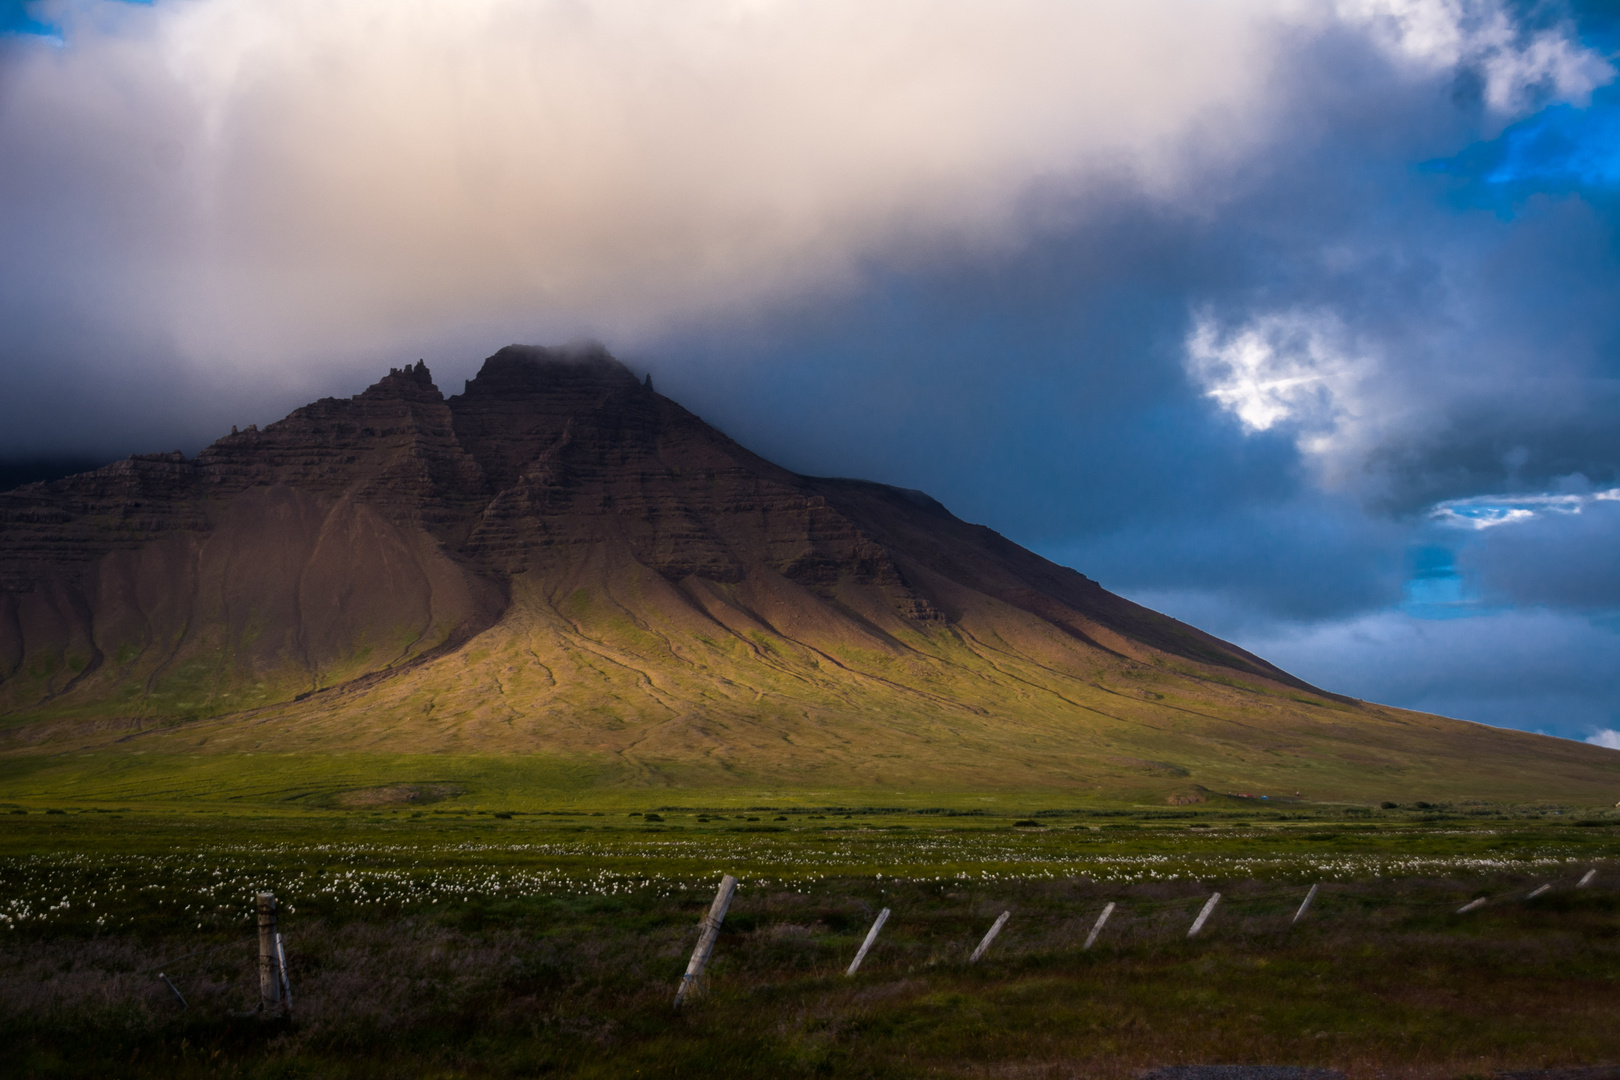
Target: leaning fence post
point(1471, 905)
point(871, 936)
point(1209, 906)
point(177, 994)
point(1586, 879)
point(1096, 929)
point(1306, 906)
point(711, 930)
point(269, 987)
point(281, 965)
point(990, 936)
point(1539, 890)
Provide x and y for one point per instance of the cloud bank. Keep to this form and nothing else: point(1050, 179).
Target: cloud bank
point(254, 179)
point(274, 178)
point(1537, 669)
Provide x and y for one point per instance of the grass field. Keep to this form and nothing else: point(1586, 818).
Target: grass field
point(441, 940)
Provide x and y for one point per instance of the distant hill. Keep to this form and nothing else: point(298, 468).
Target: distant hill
point(561, 562)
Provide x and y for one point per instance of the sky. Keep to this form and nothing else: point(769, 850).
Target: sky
point(1296, 319)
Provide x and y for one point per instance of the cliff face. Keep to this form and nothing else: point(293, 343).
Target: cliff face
point(561, 561)
point(317, 550)
point(358, 536)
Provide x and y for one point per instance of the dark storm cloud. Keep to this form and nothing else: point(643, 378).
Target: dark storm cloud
point(1557, 559)
point(1039, 390)
point(1048, 393)
point(1537, 669)
point(1453, 349)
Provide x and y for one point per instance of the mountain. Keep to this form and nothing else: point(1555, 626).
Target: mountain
point(561, 563)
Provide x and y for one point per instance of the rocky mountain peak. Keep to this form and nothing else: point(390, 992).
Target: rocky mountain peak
point(531, 370)
point(410, 383)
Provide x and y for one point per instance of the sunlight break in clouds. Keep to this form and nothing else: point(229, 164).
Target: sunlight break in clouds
point(259, 178)
point(1490, 511)
point(1296, 368)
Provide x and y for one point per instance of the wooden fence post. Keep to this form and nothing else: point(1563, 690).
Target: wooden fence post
point(1538, 891)
point(871, 936)
point(281, 966)
point(181, 998)
point(710, 930)
point(1096, 928)
point(990, 936)
point(1471, 905)
point(1587, 879)
point(1203, 916)
point(269, 986)
point(1306, 906)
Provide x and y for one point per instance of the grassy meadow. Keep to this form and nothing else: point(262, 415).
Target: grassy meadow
point(434, 931)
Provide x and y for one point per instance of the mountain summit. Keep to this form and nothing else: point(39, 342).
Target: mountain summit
point(560, 561)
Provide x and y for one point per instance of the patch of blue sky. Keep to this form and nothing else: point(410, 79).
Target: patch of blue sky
point(1563, 148)
point(16, 18)
point(1490, 511)
point(1562, 145)
point(1435, 590)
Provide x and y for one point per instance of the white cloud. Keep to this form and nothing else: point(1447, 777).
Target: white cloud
point(1609, 738)
point(1290, 367)
point(1490, 511)
point(262, 177)
point(1442, 34)
point(1299, 369)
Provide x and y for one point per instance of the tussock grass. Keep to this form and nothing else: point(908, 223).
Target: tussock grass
point(1384, 981)
point(575, 975)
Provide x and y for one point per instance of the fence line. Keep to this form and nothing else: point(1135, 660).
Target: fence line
point(728, 885)
point(276, 991)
